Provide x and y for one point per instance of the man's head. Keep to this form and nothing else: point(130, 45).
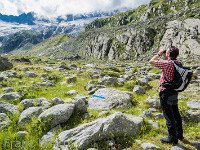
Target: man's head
point(172, 52)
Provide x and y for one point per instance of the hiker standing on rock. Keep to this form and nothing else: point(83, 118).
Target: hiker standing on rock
point(169, 97)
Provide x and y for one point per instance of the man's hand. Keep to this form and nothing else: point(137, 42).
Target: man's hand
point(162, 51)
point(152, 61)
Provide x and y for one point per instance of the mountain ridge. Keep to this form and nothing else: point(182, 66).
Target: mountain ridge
point(13, 38)
point(138, 33)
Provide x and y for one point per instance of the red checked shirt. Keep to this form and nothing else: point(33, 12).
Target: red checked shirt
point(167, 71)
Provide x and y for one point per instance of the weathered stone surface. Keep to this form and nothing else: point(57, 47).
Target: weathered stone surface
point(73, 66)
point(149, 146)
point(11, 96)
point(8, 90)
point(92, 87)
point(4, 121)
point(5, 64)
point(142, 82)
point(107, 98)
point(6, 74)
point(196, 144)
point(30, 74)
point(127, 76)
point(80, 105)
point(41, 102)
point(160, 116)
point(87, 115)
point(22, 134)
point(152, 110)
point(64, 67)
point(184, 38)
point(121, 81)
point(72, 92)
point(27, 115)
point(147, 113)
point(108, 80)
point(139, 90)
point(154, 124)
point(195, 104)
point(9, 108)
point(197, 71)
point(28, 103)
point(193, 115)
point(103, 113)
point(152, 76)
point(115, 125)
point(46, 83)
point(79, 96)
point(49, 137)
point(152, 102)
point(178, 147)
point(71, 79)
point(89, 65)
point(57, 101)
point(1, 78)
point(57, 114)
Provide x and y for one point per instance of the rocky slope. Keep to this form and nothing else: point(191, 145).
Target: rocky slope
point(156, 25)
point(140, 32)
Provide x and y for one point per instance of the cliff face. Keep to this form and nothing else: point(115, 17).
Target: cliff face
point(139, 33)
point(121, 44)
point(184, 35)
point(143, 30)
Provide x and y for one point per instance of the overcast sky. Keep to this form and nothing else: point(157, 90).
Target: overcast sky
point(54, 8)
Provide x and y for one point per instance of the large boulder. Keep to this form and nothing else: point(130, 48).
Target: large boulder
point(57, 101)
point(195, 104)
point(41, 102)
point(149, 146)
point(71, 79)
point(4, 121)
point(11, 96)
point(152, 76)
point(9, 108)
point(28, 103)
point(8, 90)
point(193, 115)
point(80, 104)
point(49, 137)
point(108, 81)
point(27, 115)
point(30, 74)
point(107, 98)
point(115, 125)
point(92, 87)
point(139, 90)
point(8, 74)
point(46, 83)
point(142, 82)
point(5, 64)
point(57, 114)
point(152, 102)
point(22, 134)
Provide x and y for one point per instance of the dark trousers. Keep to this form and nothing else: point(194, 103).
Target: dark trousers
point(169, 105)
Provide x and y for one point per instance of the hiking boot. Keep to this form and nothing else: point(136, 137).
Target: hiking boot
point(168, 140)
point(180, 137)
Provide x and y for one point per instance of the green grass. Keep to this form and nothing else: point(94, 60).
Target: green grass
point(37, 129)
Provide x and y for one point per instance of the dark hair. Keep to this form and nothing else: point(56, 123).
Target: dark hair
point(174, 51)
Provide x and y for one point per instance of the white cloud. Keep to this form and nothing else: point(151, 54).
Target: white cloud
point(54, 8)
